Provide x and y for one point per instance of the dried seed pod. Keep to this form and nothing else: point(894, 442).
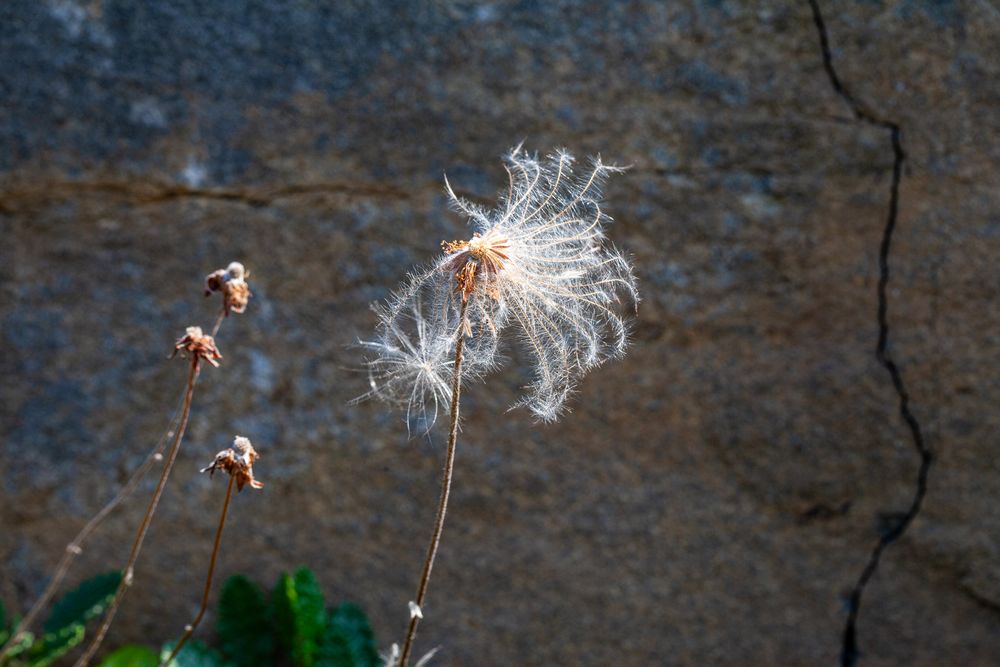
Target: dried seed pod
point(231, 281)
point(198, 343)
point(237, 461)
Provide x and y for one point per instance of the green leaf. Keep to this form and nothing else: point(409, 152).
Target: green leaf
point(26, 641)
point(83, 603)
point(132, 656)
point(348, 640)
point(282, 612)
point(54, 645)
point(244, 626)
point(299, 615)
point(194, 654)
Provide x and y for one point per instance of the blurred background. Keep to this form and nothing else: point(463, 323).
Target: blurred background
point(710, 500)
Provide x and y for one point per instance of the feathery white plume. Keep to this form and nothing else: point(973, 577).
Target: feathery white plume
point(536, 264)
point(411, 359)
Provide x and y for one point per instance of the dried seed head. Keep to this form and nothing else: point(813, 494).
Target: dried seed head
point(237, 461)
point(231, 281)
point(198, 343)
point(537, 266)
point(481, 256)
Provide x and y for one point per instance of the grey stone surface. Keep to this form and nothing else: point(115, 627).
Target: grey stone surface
point(712, 497)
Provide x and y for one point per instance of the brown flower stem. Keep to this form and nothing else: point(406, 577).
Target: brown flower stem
point(75, 548)
point(446, 475)
point(218, 322)
point(189, 629)
point(126, 581)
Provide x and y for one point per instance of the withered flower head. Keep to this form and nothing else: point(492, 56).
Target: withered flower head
point(200, 344)
point(231, 281)
point(237, 461)
point(480, 257)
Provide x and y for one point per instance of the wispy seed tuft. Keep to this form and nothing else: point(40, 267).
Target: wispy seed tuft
point(537, 265)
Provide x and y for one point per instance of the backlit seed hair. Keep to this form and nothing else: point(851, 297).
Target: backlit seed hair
point(536, 266)
point(411, 359)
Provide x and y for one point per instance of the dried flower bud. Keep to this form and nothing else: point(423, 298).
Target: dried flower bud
point(200, 344)
point(237, 461)
point(231, 281)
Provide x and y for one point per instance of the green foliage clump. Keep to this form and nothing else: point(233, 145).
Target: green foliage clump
point(132, 656)
point(347, 639)
point(299, 615)
point(293, 626)
point(65, 626)
point(194, 654)
point(244, 626)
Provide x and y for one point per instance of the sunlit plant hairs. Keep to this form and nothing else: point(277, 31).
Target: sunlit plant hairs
point(536, 268)
point(411, 361)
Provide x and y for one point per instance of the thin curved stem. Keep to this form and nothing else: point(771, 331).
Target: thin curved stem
point(190, 628)
point(126, 581)
point(75, 547)
point(218, 322)
point(446, 475)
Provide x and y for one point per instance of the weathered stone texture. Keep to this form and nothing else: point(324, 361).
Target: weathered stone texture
point(710, 499)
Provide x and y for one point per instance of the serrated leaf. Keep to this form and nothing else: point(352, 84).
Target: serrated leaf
point(84, 602)
point(348, 640)
point(299, 615)
point(131, 656)
point(244, 627)
point(54, 644)
point(194, 654)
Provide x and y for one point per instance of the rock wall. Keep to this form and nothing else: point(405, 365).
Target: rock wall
point(712, 498)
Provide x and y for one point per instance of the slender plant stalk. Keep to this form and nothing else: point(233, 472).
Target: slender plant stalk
point(147, 519)
point(75, 547)
point(189, 629)
point(218, 322)
point(446, 475)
